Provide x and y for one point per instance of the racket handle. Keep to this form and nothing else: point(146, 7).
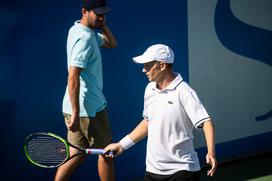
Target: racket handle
point(93, 151)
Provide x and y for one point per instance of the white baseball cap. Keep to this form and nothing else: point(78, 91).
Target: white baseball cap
point(158, 52)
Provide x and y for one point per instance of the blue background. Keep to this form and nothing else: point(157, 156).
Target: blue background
point(33, 77)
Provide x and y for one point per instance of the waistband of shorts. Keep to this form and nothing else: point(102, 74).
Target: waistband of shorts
point(103, 110)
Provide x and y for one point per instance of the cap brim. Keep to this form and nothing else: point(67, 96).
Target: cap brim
point(101, 10)
point(142, 59)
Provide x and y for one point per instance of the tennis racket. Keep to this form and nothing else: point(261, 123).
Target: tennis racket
point(48, 150)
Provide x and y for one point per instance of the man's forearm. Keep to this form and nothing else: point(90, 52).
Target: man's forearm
point(109, 38)
point(136, 135)
point(140, 131)
point(209, 135)
point(73, 89)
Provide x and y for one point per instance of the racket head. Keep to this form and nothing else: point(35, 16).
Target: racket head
point(46, 150)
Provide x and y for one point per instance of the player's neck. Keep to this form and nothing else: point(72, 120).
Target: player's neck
point(165, 80)
point(85, 23)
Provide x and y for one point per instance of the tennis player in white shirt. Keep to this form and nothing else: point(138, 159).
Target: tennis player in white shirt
point(172, 110)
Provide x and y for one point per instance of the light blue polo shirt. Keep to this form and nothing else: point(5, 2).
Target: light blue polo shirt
point(83, 51)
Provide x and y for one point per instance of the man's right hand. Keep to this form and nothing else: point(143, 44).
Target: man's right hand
point(114, 147)
point(73, 125)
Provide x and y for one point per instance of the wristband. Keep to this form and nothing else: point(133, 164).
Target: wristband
point(126, 142)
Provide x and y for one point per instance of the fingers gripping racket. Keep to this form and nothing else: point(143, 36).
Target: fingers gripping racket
point(48, 150)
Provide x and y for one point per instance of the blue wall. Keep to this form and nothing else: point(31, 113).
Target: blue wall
point(33, 75)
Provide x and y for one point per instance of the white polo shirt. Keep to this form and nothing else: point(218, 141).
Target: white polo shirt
point(172, 113)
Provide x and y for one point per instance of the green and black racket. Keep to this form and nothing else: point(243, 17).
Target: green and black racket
point(48, 150)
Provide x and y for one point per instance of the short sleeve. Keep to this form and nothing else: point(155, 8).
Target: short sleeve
point(193, 107)
point(100, 39)
point(145, 111)
point(146, 95)
point(80, 53)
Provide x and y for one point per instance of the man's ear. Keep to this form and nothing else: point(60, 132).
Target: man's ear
point(83, 11)
point(162, 66)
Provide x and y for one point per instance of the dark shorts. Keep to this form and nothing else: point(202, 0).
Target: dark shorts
point(178, 176)
point(94, 132)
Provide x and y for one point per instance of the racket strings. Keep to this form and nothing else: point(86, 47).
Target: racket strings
point(47, 151)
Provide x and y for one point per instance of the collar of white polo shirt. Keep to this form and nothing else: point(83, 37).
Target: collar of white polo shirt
point(178, 79)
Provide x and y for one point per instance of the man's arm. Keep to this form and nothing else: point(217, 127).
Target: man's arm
point(139, 132)
point(73, 90)
point(109, 38)
point(209, 136)
point(136, 135)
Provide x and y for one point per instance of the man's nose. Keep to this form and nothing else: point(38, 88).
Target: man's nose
point(144, 71)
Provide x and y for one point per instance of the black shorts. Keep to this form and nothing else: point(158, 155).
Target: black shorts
point(178, 176)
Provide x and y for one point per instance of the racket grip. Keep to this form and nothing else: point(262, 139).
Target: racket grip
point(95, 151)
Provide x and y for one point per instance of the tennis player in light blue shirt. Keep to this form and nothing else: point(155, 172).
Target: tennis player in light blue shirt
point(84, 105)
point(83, 51)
